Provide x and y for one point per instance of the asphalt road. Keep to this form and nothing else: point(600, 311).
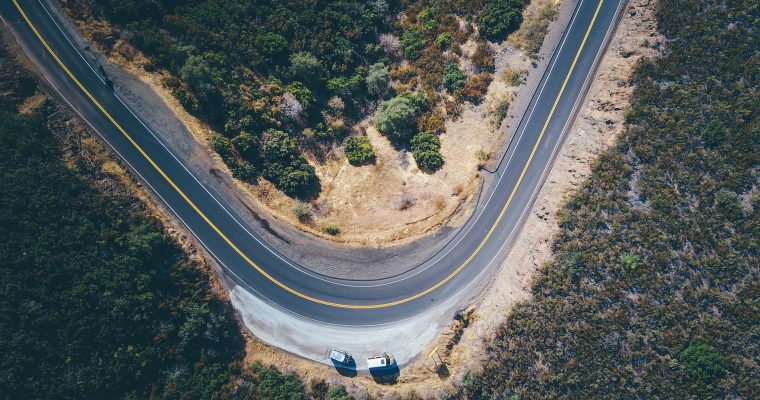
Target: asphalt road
point(259, 268)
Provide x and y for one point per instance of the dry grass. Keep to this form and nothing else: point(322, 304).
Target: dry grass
point(537, 18)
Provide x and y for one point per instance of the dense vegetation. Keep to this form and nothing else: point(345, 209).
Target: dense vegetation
point(308, 69)
point(655, 287)
point(95, 300)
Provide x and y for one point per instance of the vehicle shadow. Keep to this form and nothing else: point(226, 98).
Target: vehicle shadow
point(386, 376)
point(347, 370)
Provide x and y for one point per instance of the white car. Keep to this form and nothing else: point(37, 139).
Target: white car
point(340, 356)
point(381, 361)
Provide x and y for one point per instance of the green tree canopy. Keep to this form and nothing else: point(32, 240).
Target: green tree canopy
point(703, 362)
point(397, 117)
point(453, 77)
point(358, 150)
point(500, 18)
point(411, 44)
point(306, 68)
point(426, 149)
point(377, 79)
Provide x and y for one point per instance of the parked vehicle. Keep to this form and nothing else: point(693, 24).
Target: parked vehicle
point(340, 356)
point(382, 361)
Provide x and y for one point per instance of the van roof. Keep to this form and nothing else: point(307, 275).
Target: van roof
point(377, 362)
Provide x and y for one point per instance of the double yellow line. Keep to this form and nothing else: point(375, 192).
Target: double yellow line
point(245, 257)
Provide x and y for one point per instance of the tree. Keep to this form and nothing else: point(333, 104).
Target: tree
point(306, 68)
point(273, 385)
point(397, 117)
point(713, 133)
point(285, 166)
point(358, 150)
point(411, 44)
point(443, 41)
point(453, 77)
point(377, 79)
point(197, 74)
point(273, 45)
point(703, 362)
point(247, 145)
point(338, 392)
point(500, 18)
point(426, 149)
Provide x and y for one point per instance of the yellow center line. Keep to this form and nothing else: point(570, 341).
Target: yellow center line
point(245, 257)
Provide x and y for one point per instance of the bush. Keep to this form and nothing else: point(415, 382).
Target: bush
point(474, 90)
point(411, 44)
point(358, 150)
point(713, 133)
point(703, 362)
point(443, 41)
point(302, 211)
point(531, 35)
point(338, 392)
point(501, 109)
point(276, 386)
point(273, 45)
point(433, 122)
point(377, 79)
point(247, 146)
point(453, 77)
point(426, 149)
point(483, 58)
point(513, 77)
point(345, 86)
point(285, 166)
point(331, 229)
point(306, 68)
point(397, 117)
point(500, 18)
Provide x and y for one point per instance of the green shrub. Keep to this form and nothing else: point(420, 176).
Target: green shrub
point(285, 166)
point(443, 41)
point(703, 362)
point(411, 44)
point(630, 261)
point(273, 385)
point(500, 18)
point(453, 77)
point(306, 68)
point(358, 150)
point(397, 117)
point(377, 79)
point(426, 149)
point(338, 392)
point(345, 86)
point(273, 45)
point(331, 229)
point(713, 133)
point(247, 146)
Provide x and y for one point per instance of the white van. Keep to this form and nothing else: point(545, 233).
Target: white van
point(381, 361)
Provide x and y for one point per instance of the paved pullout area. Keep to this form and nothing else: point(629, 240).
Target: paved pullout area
point(441, 283)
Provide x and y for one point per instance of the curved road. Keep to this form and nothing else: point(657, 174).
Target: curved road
point(249, 260)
